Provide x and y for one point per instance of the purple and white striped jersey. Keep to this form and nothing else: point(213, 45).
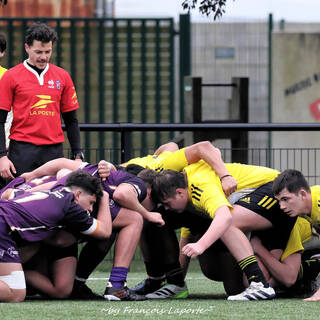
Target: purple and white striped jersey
point(20, 183)
point(38, 215)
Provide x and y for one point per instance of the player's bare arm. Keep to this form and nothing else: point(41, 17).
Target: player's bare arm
point(170, 146)
point(221, 222)
point(204, 150)
point(126, 196)
point(51, 168)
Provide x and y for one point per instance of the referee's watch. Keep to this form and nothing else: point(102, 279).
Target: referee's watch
point(78, 155)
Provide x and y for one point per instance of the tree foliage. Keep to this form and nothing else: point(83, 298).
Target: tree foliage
point(207, 7)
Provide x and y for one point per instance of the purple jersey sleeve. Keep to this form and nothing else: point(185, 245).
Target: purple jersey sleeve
point(90, 168)
point(119, 177)
point(110, 184)
point(38, 215)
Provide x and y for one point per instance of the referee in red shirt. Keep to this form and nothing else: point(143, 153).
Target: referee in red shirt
point(38, 93)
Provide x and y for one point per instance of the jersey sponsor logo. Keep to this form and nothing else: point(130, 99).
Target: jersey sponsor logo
point(12, 252)
point(196, 192)
point(267, 202)
point(74, 97)
point(58, 84)
point(37, 108)
point(246, 200)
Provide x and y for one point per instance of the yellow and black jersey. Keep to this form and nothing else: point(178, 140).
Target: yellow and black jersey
point(205, 191)
point(300, 233)
point(165, 161)
point(315, 211)
point(2, 71)
point(251, 177)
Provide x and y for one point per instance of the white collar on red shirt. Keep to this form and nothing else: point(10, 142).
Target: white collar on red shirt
point(39, 77)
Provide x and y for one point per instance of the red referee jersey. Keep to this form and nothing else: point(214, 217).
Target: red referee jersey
point(37, 102)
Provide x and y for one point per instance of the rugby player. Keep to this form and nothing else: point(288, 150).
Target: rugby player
point(297, 198)
point(126, 192)
point(27, 219)
point(200, 187)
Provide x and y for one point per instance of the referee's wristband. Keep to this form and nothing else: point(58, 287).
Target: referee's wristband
point(78, 155)
point(226, 175)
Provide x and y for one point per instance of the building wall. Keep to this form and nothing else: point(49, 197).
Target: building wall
point(249, 43)
point(295, 57)
point(48, 8)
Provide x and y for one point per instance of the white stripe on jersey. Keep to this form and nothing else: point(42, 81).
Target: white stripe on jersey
point(92, 229)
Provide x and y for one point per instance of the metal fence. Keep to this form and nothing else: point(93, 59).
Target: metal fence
point(303, 159)
point(123, 70)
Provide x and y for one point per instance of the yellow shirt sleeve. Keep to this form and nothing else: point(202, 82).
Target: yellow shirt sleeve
point(300, 233)
point(2, 71)
point(171, 161)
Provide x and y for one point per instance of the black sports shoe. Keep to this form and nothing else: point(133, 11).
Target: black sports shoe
point(124, 293)
point(147, 286)
point(81, 291)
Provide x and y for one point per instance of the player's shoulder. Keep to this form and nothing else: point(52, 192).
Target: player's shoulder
point(57, 69)
point(315, 190)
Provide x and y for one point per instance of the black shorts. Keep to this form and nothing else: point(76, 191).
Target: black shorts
point(27, 156)
point(262, 202)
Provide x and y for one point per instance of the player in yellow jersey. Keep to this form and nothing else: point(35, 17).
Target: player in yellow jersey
point(291, 268)
point(199, 187)
point(297, 198)
point(3, 46)
point(169, 156)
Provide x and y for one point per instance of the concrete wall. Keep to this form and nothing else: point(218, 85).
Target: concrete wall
point(250, 44)
point(295, 58)
point(296, 86)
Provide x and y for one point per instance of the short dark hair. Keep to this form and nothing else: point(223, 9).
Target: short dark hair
point(134, 169)
point(165, 185)
point(40, 32)
point(3, 43)
point(89, 184)
point(290, 179)
point(148, 176)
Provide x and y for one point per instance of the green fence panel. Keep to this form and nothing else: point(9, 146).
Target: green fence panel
point(123, 70)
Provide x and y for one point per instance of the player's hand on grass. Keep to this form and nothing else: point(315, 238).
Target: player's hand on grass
point(6, 168)
point(156, 218)
point(229, 185)
point(315, 297)
point(192, 250)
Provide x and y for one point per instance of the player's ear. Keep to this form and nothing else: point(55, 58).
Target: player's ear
point(303, 193)
point(77, 194)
